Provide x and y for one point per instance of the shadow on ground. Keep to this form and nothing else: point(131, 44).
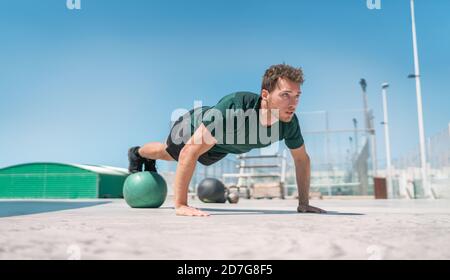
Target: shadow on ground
point(221, 211)
point(20, 208)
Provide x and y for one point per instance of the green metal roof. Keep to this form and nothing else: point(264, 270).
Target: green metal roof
point(100, 169)
point(61, 180)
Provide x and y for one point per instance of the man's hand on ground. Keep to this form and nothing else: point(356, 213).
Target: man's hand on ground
point(190, 211)
point(310, 209)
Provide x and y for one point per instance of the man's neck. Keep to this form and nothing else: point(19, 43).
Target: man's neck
point(266, 118)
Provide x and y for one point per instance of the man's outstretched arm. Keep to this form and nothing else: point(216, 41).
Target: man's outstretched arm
point(303, 175)
point(199, 143)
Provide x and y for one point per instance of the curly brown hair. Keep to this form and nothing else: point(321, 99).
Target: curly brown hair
point(272, 75)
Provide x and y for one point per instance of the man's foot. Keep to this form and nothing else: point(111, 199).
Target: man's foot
point(135, 160)
point(190, 211)
point(150, 165)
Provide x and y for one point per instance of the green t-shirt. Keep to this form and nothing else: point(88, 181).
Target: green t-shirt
point(234, 122)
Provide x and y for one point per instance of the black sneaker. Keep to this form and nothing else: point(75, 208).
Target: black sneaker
point(150, 165)
point(135, 160)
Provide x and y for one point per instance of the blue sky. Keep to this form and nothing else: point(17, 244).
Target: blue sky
point(84, 85)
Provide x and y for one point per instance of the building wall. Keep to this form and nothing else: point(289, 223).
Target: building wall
point(111, 186)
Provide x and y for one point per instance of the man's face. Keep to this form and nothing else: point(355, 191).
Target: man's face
point(284, 97)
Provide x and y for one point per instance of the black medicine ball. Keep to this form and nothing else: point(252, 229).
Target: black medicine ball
point(211, 190)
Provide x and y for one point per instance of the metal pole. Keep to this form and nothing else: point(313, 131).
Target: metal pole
point(423, 158)
point(355, 124)
point(363, 84)
point(369, 126)
point(350, 140)
point(283, 174)
point(327, 152)
point(447, 160)
point(373, 146)
point(283, 166)
point(387, 142)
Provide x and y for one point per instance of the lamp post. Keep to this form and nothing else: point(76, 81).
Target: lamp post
point(387, 141)
point(416, 76)
point(369, 126)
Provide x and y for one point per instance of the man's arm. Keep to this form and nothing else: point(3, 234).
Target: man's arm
point(199, 143)
point(303, 175)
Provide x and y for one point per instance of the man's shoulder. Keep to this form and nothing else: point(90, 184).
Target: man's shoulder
point(246, 95)
point(241, 95)
point(246, 99)
point(239, 100)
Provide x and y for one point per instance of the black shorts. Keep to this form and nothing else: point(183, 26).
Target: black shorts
point(180, 133)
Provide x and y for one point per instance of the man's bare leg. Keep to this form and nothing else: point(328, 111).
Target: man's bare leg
point(155, 150)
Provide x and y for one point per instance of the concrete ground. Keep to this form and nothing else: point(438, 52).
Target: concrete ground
point(251, 229)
